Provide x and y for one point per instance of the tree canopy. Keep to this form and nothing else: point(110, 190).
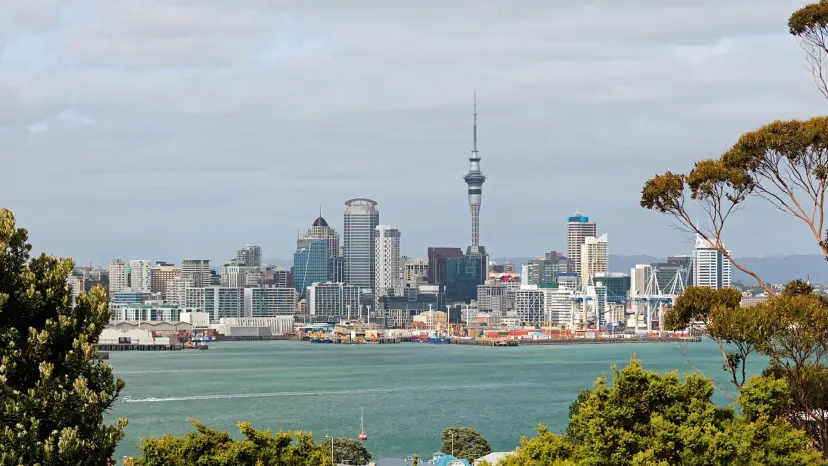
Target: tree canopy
point(465, 443)
point(348, 451)
point(643, 418)
point(53, 391)
point(205, 446)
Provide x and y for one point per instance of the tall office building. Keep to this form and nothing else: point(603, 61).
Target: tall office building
point(594, 259)
point(196, 272)
point(310, 264)
point(249, 255)
point(437, 258)
point(358, 245)
point(415, 272)
point(320, 230)
point(118, 277)
point(389, 267)
point(160, 274)
point(474, 180)
point(234, 274)
point(711, 268)
point(639, 277)
point(578, 228)
point(140, 276)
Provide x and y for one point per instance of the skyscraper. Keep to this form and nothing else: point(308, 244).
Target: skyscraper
point(196, 272)
point(310, 263)
point(140, 275)
point(594, 259)
point(578, 228)
point(711, 268)
point(118, 277)
point(389, 267)
point(249, 255)
point(358, 248)
point(474, 180)
point(321, 230)
point(160, 274)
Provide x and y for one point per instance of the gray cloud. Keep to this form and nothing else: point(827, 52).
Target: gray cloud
point(231, 122)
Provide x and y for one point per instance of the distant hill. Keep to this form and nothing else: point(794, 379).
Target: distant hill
point(772, 269)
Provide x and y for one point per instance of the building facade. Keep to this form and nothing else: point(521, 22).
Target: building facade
point(415, 272)
point(711, 268)
point(118, 276)
point(249, 255)
point(310, 264)
point(160, 274)
point(140, 275)
point(388, 267)
point(578, 228)
point(462, 276)
point(594, 258)
point(437, 258)
point(269, 302)
point(75, 282)
point(332, 302)
point(234, 274)
point(196, 272)
point(219, 302)
point(320, 230)
point(358, 246)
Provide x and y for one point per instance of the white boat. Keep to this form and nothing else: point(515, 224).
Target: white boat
point(127, 398)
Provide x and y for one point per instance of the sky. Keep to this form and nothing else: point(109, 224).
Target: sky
point(163, 130)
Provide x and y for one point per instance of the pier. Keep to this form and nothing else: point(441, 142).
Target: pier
point(136, 347)
point(569, 341)
point(254, 337)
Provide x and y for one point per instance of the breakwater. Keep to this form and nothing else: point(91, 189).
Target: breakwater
point(137, 347)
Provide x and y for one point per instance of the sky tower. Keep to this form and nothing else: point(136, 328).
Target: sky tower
point(475, 179)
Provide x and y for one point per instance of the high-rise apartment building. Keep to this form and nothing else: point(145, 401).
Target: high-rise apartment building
point(358, 245)
point(415, 272)
point(594, 259)
point(711, 268)
point(218, 301)
point(175, 291)
point(118, 277)
point(269, 302)
point(388, 267)
point(578, 228)
point(160, 274)
point(234, 274)
point(310, 264)
point(75, 282)
point(196, 272)
point(249, 255)
point(140, 275)
point(332, 302)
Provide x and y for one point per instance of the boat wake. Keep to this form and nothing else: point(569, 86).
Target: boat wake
point(317, 393)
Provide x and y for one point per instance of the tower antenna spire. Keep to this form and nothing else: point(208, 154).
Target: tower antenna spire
point(475, 123)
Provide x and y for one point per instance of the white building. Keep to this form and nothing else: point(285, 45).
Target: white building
point(557, 305)
point(176, 291)
point(332, 302)
point(269, 302)
point(432, 319)
point(118, 277)
point(140, 276)
point(199, 320)
point(249, 255)
point(594, 258)
point(639, 276)
point(711, 268)
point(148, 312)
point(218, 301)
point(388, 279)
point(254, 326)
point(578, 228)
point(234, 275)
point(76, 284)
point(529, 304)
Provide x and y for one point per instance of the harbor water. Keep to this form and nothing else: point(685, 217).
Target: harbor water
point(410, 392)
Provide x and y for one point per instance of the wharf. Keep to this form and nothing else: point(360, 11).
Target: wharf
point(254, 337)
point(569, 341)
point(383, 341)
point(136, 347)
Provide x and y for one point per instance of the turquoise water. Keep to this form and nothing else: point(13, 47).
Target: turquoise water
point(410, 392)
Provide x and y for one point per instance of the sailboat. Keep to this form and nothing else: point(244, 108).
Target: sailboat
point(362, 435)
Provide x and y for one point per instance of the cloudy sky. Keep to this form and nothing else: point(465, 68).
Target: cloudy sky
point(178, 129)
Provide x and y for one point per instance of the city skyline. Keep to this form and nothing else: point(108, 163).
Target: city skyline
point(571, 121)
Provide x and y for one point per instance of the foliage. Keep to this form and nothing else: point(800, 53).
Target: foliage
point(348, 451)
point(53, 392)
point(465, 443)
point(643, 418)
point(810, 26)
point(206, 446)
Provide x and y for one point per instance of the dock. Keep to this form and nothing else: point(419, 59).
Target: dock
point(569, 341)
point(254, 338)
point(136, 347)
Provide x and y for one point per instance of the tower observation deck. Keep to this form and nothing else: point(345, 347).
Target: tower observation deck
point(474, 180)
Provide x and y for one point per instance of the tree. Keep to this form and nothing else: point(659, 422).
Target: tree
point(206, 446)
point(809, 24)
point(348, 451)
point(643, 418)
point(53, 391)
point(465, 443)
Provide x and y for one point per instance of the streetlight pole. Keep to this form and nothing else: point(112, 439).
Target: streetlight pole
point(333, 463)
